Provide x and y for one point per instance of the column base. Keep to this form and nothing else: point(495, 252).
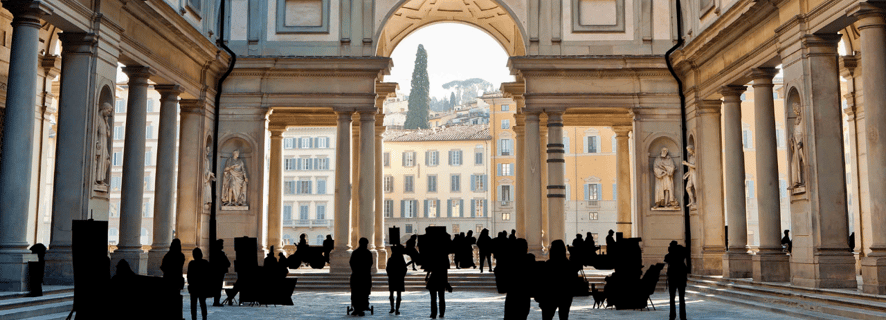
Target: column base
point(709, 263)
point(59, 267)
point(737, 265)
point(771, 267)
point(382, 258)
point(137, 259)
point(14, 270)
point(873, 273)
point(155, 259)
point(375, 259)
point(339, 261)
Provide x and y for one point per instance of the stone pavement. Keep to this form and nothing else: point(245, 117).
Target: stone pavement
point(466, 305)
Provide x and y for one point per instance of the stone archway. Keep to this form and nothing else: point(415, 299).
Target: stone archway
point(491, 16)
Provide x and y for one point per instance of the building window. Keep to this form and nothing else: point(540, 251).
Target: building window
point(145, 238)
point(593, 144)
point(409, 208)
point(505, 107)
point(118, 159)
point(149, 132)
point(614, 191)
point(290, 164)
point(455, 208)
point(118, 133)
point(478, 208)
point(287, 212)
point(115, 183)
point(409, 159)
point(478, 182)
point(593, 192)
point(389, 184)
point(114, 211)
point(305, 143)
point(505, 147)
point(506, 124)
point(321, 186)
point(149, 158)
point(387, 159)
point(783, 188)
point(287, 239)
point(455, 157)
point(148, 183)
point(303, 187)
point(408, 228)
point(566, 144)
point(389, 208)
point(323, 142)
point(305, 163)
point(289, 187)
point(289, 143)
point(409, 183)
point(749, 189)
point(504, 193)
point(121, 106)
point(505, 169)
point(478, 157)
point(432, 158)
point(505, 216)
point(321, 212)
point(479, 228)
point(455, 229)
point(592, 216)
point(303, 212)
point(432, 183)
point(112, 236)
point(455, 183)
point(323, 163)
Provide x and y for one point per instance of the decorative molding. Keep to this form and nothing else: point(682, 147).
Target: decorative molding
point(322, 28)
point(619, 25)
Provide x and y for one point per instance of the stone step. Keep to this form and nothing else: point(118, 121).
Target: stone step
point(37, 310)
point(47, 290)
point(54, 316)
point(23, 302)
point(794, 312)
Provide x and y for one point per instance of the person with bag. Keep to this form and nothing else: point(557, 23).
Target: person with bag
point(558, 273)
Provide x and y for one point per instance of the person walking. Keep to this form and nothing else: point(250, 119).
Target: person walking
point(200, 282)
point(437, 280)
point(396, 270)
point(677, 274)
point(558, 273)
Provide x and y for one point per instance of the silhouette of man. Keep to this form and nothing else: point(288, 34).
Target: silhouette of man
point(172, 264)
point(517, 300)
point(558, 273)
point(301, 250)
point(576, 252)
point(200, 282)
point(396, 270)
point(786, 241)
point(412, 252)
point(513, 235)
point(328, 244)
point(484, 245)
point(677, 274)
point(37, 270)
point(610, 243)
point(437, 280)
point(220, 265)
point(361, 277)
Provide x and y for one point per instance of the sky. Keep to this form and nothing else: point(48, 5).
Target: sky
point(455, 52)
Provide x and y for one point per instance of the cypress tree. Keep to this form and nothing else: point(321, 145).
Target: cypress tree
point(419, 97)
point(452, 101)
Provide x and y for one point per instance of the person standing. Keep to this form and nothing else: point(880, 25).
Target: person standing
point(396, 270)
point(200, 282)
point(677, 274)
point(484, 245)
point(328, 245)
point(361, 277)
point(610, 243)
point(172, 264)
point(517, 300)
point(437, 280)
point(220, 265)
point(558, 273)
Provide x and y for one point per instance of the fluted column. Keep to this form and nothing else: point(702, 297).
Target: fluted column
point(872, 26)
point(194, 160)
point(709, 187)
point(133, 190)
point(342, 225)
point(275, 191)
point(556, 177)
point(164, 193)
point(74, 178)
point(379, 201)
point(770, 263)
point(736, 261)
point(18, 143)
point(623, 180)
point(520, 210)
point(532, 186)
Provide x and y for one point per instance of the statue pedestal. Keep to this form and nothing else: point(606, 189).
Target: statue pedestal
point(235, 208)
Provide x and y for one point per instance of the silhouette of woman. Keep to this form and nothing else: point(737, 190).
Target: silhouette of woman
point(438, 280)
point(558, 273)
point(172, 265)
point(677, 271)
point(199, 283)
point(396, 269)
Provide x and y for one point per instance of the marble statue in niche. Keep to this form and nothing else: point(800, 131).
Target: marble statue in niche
point(208, 178)
point(798, 151)
point(102, 152)
point(235, 182)
point(691, 176)
point(663, 168)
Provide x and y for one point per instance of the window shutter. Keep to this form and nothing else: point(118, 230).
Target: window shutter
point(484, 177)
point(316, 142)
point(501, 194)
point(485, 208)
point(614, 191)
point(449, 208)
point(426, 209)
point(403, 157)
point(427, 158)
point(298, 164)
point(599, 192)
point(402, 208)
point(438, 207)
point(461, 207)
point(473, 182)
point(310, 187)
point(473, 208)
point(587, 192)
point(499, 168)
point(450, 158)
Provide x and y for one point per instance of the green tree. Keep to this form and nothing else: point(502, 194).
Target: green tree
point(452, 101)
point(419, 97)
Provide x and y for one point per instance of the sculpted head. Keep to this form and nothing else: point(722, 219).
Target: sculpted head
point(796, 107)
point(664, 152)
point(236, 154)
point(106, 109)
point(690, 149)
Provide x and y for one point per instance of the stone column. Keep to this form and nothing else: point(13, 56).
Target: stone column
point(709, 187)
point(543, 170)
point(342, 234)
point(623, 180)
point(770, 263)
point(355, 178)
point(73, 178)
point(192, 165)
point(18, 143)
point(519, 210)
point(854, 125)
point(736, 261)
point(556, 176)
point(367, 182)
point(532, 186)
point(379, 201)
point(275, 191)
point(165, 184)
point(872, 26)
point(133, 190)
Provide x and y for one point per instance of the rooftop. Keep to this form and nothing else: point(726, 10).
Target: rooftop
point(453, 133)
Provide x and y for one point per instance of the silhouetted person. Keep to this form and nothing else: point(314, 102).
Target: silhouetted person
point(328, 244)
point(437, 280)
point(576, 252)
point(677, 274)
point(513, 235)
point(610, 243)
point(396, 269)
point(500, 247)
point(412, 252)
point(470, 241)
point(786, 241)
point(172, 264)
point(282, 264)
point(301, 250)
point(852, 242)
point(200, 283)
point(517, 300)
point(590, 250)
point(220, 265)
point(458, 255)
point(361, 277)
point(558, 273)
point(36, 270)
point(484, 245)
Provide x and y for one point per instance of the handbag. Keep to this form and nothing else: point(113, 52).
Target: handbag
point(580, 286)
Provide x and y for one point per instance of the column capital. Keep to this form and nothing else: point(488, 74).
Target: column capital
point(379, 130)
point(195, 106)
point(277, 131)
point(344, 114)
point(51, 65)
point(708, 107)
point(367, 116)
point(531, 116)
point(848, 65)
point(518, 130)
point(732, 93)
point(821, 43)
point(138, 74)
point(870, 14)
point(78, 42)
point(555, 118)
point(762, 76)
point(27, 12)
point(168, 91)
point(622, 131)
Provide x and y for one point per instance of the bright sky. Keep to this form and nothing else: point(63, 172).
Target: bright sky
point(455, 52)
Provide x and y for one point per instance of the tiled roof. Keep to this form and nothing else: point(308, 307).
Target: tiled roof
point(453, 133)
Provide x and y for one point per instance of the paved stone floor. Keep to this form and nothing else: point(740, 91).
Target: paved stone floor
point(466, 305)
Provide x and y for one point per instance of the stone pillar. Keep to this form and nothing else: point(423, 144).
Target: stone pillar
point(858, 181)
point(623, 180)
point(342, 234)
point(709, 187)
point(543, 166)
point(73, 178)
point(133, 190)
point(165, 184)
point(355, 178)
point(379, 201)
point(275, 191)
point(736, 261)
point(770, 263)
point(519, 210)
point(532, 186)
point(18, 143)
point(820, 224)
point(556, 176)
point(872, 26)
point(367, 182)
point(193, 162)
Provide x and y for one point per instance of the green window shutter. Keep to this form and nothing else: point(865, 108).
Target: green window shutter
point(485, 208)
point(587, 192)
point(498, 169)
point(461, 207)
point(599, 192)
point(402, 208)
point(449, 208)
point(427, 159)
point(473, 208)
point(438, 207)
point(426, 209)
point(485, 180)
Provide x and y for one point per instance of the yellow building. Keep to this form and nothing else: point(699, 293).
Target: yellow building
point(437, 177)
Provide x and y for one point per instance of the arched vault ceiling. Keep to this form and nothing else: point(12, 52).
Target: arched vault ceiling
point(487, 15)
